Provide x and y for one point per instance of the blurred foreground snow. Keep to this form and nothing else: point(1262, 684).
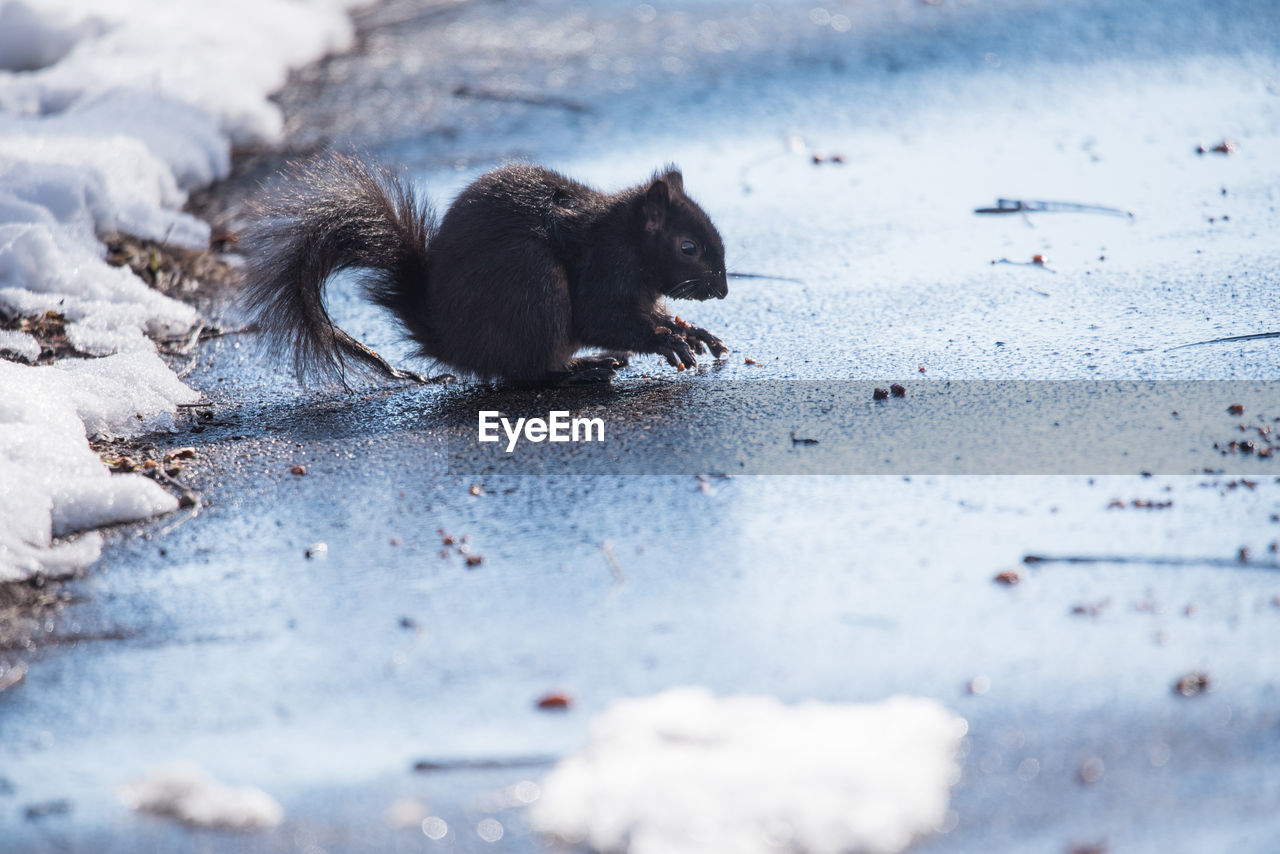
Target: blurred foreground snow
point(683, 771)
point(109, 115)
point(190, 795)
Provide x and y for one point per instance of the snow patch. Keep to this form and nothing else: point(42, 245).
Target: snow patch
point(110, 114)
point(51, 482)
point(19, 344)
point(190, 795)
point(683, 772)
point(30, 38)
point(221, 57)
point(96, 183)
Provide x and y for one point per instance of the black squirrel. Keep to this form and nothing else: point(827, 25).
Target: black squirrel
point(526, 268)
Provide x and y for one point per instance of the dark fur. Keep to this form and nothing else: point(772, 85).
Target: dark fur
point(526, 268)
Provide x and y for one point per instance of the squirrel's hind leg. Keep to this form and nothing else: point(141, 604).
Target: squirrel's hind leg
point(611, 359)
point(587, 370)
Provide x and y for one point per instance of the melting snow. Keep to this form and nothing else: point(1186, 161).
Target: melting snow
point(187, 793)
point(109, 115)
point(684, 772)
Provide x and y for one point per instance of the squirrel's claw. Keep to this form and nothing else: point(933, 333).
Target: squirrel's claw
point(675, 349)
point(697, 337)
point(589, 376)
point(714, 344)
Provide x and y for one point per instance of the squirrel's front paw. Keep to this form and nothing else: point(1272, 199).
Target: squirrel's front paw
point(714, 344)
point(674, 348)
point(697, 337)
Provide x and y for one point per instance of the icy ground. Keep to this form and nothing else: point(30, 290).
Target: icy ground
point(110, 114)
point(388, 679)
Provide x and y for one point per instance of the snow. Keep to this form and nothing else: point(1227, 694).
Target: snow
point(110, 114)
point(19, 344)
point(221, 57)
point(189, 794)
point(684, 771)
point(52, 483)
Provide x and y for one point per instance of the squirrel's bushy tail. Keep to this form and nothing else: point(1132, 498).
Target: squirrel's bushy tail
point(334, 213)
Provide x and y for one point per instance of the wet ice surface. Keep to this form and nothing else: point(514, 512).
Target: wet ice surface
point(323, 681)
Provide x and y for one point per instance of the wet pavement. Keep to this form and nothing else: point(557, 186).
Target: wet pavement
point(324, 680)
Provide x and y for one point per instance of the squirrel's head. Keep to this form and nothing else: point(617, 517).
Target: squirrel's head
point(682, 246)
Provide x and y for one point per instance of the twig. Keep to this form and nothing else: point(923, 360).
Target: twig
point(79, 637)
point(619, 577)
point(199, 334)
point(190, 366)
point(1026, 264)
point(375, 15)
point(202, 334)
point(534, 100)
point(1012, 206)
point(188, 342)
point(187, 497)
point(1154, 560)
point(192, 512)
point(766, 277)
point(214, 332)
point(1257, 336)
point(429, 765)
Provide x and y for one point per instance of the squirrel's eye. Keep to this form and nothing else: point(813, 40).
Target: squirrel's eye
point(688, 247)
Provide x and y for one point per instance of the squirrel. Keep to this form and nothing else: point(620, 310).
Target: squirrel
point(526, 268)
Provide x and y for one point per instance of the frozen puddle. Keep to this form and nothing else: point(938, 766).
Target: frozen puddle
point(684, 771)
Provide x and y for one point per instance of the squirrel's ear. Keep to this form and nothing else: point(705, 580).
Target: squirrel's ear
point(674, 178)
point(654, 207)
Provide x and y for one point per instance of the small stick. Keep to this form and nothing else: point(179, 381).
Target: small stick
point(215, 332)
point(619, 577)
point(187, 498)
point(185, 344)
point(465, 91)
point(1026, 264)
point(1012, 206)
point(384, 366)
point(192, 512)
point(1152, 561)
point(766, 277)
point(429, 765)
point(190, 366)
point(1257, 336)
